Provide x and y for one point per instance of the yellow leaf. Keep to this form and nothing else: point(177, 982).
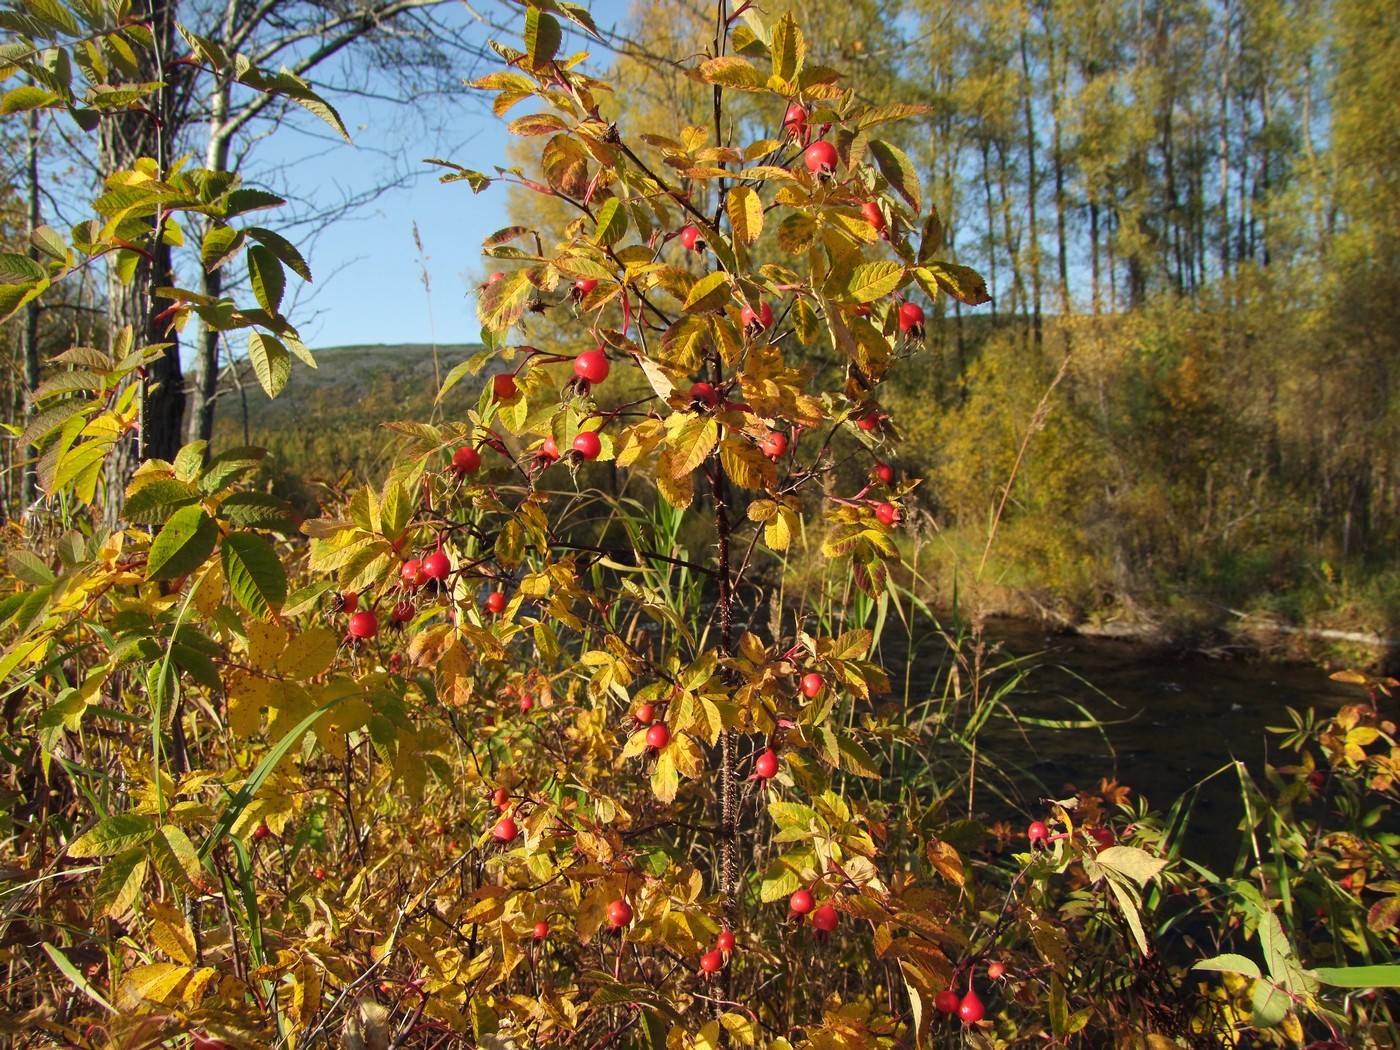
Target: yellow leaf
point(265, 644)
point(248, 695)
point(156, 983)
point(691, 445)
point(777, 534)
point(209, 591)
point(308, 654)
point(745, 213)
point(710, 293)
point(746, 466)
point(677, 491)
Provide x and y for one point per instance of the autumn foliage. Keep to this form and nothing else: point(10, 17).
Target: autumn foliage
point(481, 754)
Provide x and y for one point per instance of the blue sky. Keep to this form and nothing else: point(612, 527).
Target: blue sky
point(368, 272)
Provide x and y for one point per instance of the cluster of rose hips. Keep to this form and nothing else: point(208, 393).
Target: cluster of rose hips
point(825, 917)
point(713, 961)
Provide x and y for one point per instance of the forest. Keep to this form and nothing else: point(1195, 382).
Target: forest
point(620, 675)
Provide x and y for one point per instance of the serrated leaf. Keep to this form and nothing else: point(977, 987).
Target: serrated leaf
point(155, 501)
point(271, 362)
point(874, 280)
point(284, 249)
point(747, 466)
point(961, 282)
point(113, 835)
point(745, 211)
point(1137, 864)
point(28, 567)
point(612, 222)
point(269, 282)
point(542, 38)
point(691, 445)
point(220, 245)
point(182, 545)
point(502, 303)
point(788, 49)
point(731, 72)
point(709, 294)
point(254, 573)
point(898, 170)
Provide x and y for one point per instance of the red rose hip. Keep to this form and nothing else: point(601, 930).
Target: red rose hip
point(364, 625)
point(466, 460)
point(820, 158)
point(765, 767)
point(592, 365)
point(588, 444)
point(619, 914)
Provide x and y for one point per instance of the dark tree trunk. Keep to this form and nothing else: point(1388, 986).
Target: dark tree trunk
point(122, 139)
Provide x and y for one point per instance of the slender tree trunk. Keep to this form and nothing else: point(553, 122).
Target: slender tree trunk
point(122, 139)
point(1032, 190)
point(991, 223)
point(1057, 155)
point(207, 341)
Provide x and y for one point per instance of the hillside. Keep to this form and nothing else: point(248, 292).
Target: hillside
point(328, 419)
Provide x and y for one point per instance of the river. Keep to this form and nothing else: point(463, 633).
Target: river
point(1170, 721)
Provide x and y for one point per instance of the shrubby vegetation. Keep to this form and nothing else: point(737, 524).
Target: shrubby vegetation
point(483, 754)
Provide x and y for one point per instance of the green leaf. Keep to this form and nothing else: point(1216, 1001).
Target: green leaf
point(1137, 864)
point(284, 249)
point(1270, 1005)
point(709, 294)
point(255, 574)
point(257, 510)
point(220, 245)
point(228, 466)
point(155, 501)
point(1229, 963)
point(112, 835)
point(184, 543)
point(48, 241)
point(1358, 976)
point(20, 269)
point(246, 200)
point(898, 170)
point(874, 280)
point(66, 967)
point(270, 360)
point(269, 282)
point(29, 568)
point(542, 38)
point(612, 222)
point(27, 97)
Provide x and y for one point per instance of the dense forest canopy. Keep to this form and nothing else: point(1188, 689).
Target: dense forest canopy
point(1189, 207)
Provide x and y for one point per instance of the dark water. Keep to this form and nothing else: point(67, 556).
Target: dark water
point(1172, 720)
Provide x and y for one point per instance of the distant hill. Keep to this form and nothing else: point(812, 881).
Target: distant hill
point(327, 419)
